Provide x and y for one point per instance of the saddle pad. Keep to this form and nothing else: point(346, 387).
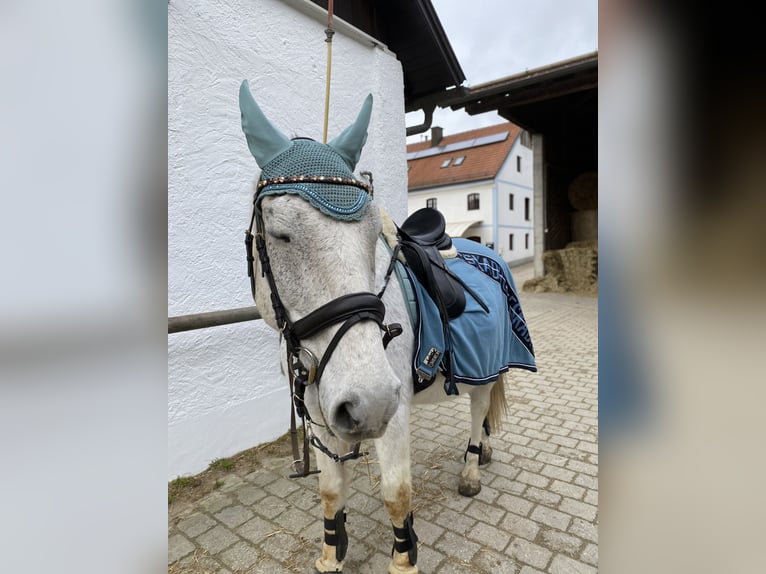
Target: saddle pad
point(481, 345)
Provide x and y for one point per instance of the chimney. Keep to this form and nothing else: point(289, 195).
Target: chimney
point(436, 135)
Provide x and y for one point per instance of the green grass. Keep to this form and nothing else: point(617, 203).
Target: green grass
point(221, 464)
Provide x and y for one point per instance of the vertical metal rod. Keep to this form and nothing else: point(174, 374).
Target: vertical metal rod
point(329, 34)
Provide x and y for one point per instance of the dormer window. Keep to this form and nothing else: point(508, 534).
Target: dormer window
point(459, 161)
point(446, 162)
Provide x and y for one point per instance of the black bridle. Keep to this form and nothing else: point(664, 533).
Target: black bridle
point(347, 310)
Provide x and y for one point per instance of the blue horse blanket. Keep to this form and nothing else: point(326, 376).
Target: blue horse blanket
point(480, 345)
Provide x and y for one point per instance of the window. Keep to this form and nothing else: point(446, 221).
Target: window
point(431, 202)
point(510, 242)
point(510, 201)
point(473, 201)
point(518, 163)
point(526, 208)
point(445, 163)
point(526, 241)
point(459, 161)
point(475, 238)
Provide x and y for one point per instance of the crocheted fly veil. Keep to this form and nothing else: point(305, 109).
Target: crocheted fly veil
point(321, 174)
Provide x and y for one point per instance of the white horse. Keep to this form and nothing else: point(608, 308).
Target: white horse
point(363, 392)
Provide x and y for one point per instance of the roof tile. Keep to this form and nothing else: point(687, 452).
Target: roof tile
point(481, 162)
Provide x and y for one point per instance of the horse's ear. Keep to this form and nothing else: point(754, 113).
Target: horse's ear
point(264, 140)
point(350, 142)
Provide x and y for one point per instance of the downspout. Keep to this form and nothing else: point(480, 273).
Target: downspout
point(428, 113)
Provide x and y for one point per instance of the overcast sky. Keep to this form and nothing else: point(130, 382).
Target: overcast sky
point(497, 38)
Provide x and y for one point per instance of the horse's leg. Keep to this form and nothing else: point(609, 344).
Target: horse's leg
point(333, 491)
point(393, 451)
point(470, 478)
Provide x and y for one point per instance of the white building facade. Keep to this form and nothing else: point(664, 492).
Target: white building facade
point(225, 389)
point(496, 212)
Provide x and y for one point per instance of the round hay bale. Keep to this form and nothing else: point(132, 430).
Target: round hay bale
point(583, 191)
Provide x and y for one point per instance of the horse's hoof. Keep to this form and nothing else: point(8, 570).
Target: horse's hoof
point(403, 567)
point(469, 488)
point(327, 562)
point(328, 565)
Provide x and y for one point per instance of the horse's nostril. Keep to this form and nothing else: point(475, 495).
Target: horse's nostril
point(344, 416)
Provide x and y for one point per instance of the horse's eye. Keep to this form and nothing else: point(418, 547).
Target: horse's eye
point(281, 237)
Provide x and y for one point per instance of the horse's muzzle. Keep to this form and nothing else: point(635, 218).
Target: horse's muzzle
point(356, 417)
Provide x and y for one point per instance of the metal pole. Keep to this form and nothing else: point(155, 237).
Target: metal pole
point(212, 319)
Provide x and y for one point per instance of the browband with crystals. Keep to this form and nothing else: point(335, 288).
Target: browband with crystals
point(315, 179)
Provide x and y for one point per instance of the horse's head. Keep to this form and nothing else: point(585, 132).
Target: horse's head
point(320, 238)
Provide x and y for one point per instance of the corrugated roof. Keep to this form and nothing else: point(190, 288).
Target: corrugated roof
point(481, 160)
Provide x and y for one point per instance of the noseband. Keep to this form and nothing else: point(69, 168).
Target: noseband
point(347, 310)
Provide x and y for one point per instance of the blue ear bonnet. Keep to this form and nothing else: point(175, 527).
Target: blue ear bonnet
point(309, 158)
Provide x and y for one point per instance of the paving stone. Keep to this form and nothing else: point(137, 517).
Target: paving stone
point(271, 506)
point(428, 532)
point(295, 520)
point(249, 494)
point(529, 553)
point(586, 481)
point(216, 501)
point(503, 484)
point(456, 546)
point(584, 529)
point(487, 535)
point(533, 479)
point(582, 467)
point(577, 508)
point(567, 489)
point(240, 556)
point(282, 487)
point(261, 477)
point(484, 512)
point(233, 516)
point(281, 545)
point(551, 517)
point(523, 527)
point(196, 524)
point(515, 504)
point(542, 496)
point(590, 554)
point(558, 541)
point(256, 529)
point(217, 539)
point(375, 564)
point(530, 570)
point(565, 565)
point(178, 547)
point(429, 559)
point(558, 473)
point(454, 521)
point(493, 562)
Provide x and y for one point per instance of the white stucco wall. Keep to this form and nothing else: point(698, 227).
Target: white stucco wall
point(452, 201)
point(520, 184)
point(225, 391)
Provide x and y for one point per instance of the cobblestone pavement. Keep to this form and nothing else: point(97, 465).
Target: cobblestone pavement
point(537, 510)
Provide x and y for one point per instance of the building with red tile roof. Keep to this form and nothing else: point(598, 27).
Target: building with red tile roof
point(481, 180)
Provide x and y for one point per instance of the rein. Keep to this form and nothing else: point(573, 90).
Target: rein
point(304, 369)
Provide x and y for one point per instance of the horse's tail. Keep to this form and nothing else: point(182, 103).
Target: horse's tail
point(498, 404)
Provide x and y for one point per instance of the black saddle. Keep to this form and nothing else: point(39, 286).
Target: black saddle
point(421, 237)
